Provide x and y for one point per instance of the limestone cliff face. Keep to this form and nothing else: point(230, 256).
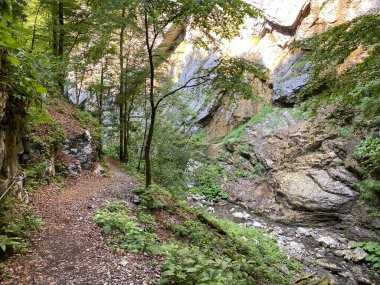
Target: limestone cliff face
point(267, 41)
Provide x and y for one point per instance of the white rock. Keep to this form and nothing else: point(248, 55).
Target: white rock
point(241, 215)
point(327, 241)
point(303, 231)
point(258, 225)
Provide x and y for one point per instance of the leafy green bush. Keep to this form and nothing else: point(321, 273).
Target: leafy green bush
point(208, 182)
point(189, 265)
point(116, 221)
point(17, 223)
point(368, 153)
point(236, 243)
point(373, 250)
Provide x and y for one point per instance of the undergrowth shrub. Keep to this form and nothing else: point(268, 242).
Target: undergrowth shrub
point(18, 222)
point(189, 265)
point(123, 228)
point(208, 182)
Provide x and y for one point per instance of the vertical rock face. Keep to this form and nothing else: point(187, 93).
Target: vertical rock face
point(10, 139)
point(266, 40)
point(10, 148)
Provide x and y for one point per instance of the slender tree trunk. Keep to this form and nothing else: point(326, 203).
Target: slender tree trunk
point(61, 42)
point(35, 27)
point(61, 29)
point(121, 89)
point(145, 131)
point(148, 165)
point(54, 17)
point(125, 151)
point(149, 140)
point(100, 107)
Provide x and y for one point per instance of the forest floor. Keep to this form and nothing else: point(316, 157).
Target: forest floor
point(70, 249)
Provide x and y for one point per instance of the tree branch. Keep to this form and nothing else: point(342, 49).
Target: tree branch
point(188, 84)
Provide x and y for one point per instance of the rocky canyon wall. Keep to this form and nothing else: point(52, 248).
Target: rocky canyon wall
point(265, 40)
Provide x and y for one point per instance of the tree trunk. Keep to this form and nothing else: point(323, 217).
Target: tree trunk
point(100, 107)
point(121, 90)
point(145, 131)
point(61, 76)
point(54, 17)
point(126, 154)
point(35, 27)
point(148, 164)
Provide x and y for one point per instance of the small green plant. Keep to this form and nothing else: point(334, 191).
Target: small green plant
point(123, 229)
point(147, 219)
point(343, 132)
point(258, 170)
point(373, 250)
point(242, 173)
point(208, 182)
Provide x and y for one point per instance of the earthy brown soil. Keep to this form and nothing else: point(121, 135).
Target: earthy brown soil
point(71, 249)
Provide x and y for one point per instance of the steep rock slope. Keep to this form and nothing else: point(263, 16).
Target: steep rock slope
point(265, 40)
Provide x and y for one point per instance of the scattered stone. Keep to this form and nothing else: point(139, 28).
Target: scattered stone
point(329, 266)
point(303, 232)
point(241, 215)
point(135, 199)
point(355, 255)
point(258, 225)
point(318, 255)
point(295, 247)
point(339, 253)
point(210, 210)
point(327, 242)
point(342, 239)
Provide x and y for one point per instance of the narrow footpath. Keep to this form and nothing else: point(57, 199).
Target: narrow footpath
point(70, 249)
